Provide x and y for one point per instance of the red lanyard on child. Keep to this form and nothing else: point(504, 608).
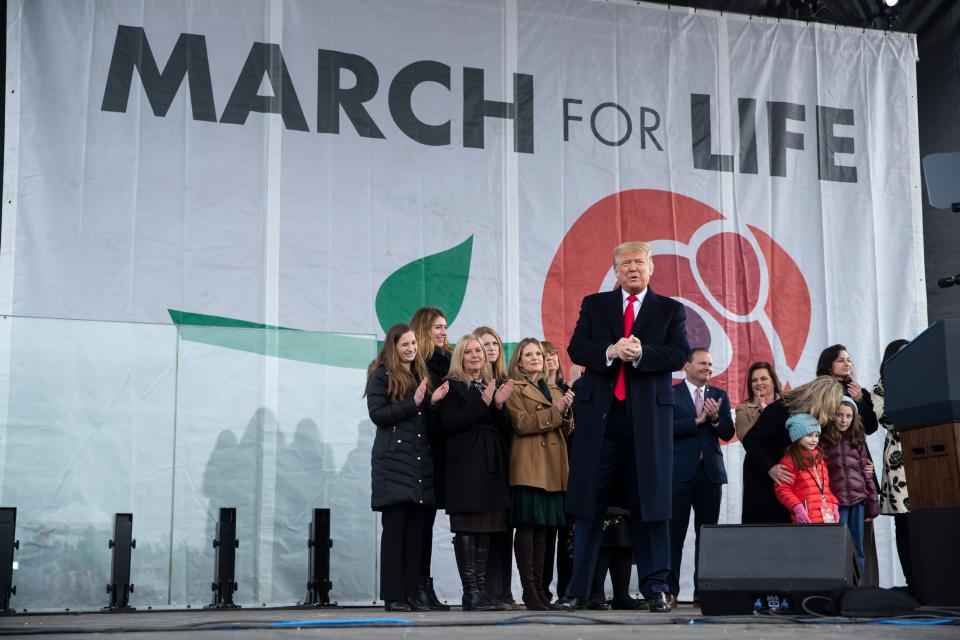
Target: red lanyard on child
point(825, 511)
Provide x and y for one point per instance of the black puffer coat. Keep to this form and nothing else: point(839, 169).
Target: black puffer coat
point(401, 460)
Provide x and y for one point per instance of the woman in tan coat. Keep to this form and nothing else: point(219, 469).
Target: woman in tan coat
point(763, 388)
point(540, 416)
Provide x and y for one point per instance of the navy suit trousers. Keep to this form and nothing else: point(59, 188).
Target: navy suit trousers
point(651, 540)
point(703, 497)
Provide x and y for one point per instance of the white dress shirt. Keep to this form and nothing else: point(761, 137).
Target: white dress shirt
point(636, 311)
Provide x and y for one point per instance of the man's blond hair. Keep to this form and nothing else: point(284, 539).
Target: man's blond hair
point(632, 247)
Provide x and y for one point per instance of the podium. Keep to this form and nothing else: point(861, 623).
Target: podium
point(922, 398)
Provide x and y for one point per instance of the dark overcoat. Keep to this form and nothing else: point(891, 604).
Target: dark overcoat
point(692, 442)
point(437, 366)
point(661, 327)
point(476, 462)
point(765, 444)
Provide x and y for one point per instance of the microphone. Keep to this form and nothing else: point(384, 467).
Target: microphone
point(945, 283)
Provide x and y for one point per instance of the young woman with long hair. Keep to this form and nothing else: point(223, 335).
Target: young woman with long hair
point(540, 416)
point(430, 326)
point(494, 351)
point(835, 361)
point(399, 395)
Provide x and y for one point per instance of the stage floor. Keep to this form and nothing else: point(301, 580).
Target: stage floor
point(363, 622)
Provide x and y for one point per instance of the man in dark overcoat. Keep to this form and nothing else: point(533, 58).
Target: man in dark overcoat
point(629, 341)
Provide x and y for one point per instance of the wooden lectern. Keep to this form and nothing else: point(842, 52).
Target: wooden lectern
point(922, 398)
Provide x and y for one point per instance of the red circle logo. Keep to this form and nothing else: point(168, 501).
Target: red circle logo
point(745, 297)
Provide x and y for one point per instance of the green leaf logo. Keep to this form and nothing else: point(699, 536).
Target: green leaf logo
point(438, 280)
point(317, 347)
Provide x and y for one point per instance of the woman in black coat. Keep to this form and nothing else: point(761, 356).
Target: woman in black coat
point(401, 466)
point(835, 361)
point(500, 574)
point(476, 465)
point(430, 326)
point(768, 439)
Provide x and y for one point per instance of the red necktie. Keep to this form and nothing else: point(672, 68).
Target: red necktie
point(620, 389)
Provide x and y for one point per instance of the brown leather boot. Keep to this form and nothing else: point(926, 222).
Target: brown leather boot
point(539, 558)
point(523, 546)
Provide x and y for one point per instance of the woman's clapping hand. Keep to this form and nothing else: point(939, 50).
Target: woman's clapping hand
point(488, 391)
point(503, 393)
point(420, 393)
point(564, 403)
point(439, 393)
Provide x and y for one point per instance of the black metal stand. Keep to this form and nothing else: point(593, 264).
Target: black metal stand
point(122, 544)
point(225, 561)
point(318, 571)
point(950, 281)
point(8, 543)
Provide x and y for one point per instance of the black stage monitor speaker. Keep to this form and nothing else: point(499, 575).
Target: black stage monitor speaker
point(744, 568)
point(935, 556)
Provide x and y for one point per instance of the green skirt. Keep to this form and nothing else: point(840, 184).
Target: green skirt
point(530, 505)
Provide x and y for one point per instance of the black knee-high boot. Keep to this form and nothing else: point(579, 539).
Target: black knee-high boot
point(466, 547)
point(483, 559)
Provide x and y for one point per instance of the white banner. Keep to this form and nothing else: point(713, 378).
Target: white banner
point(330, 166)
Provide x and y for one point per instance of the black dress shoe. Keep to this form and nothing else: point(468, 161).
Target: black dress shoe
point(396, 605)
point(629, 604)
point(658, 602)
point(598, 605)
point(571, 604)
